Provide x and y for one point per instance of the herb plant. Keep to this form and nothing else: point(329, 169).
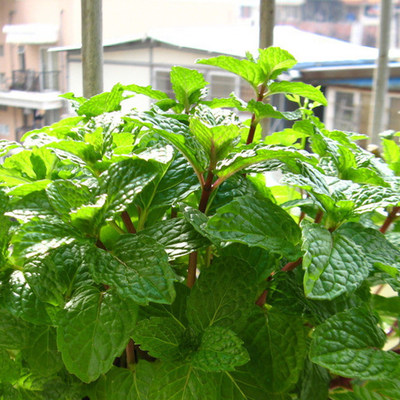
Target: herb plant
point(143, 255)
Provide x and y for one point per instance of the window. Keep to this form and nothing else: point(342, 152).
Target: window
point(163, 82)
point(346, 111)
point(3, 85)
point(52, 116)
point(222, 85)
point(21, 58)
point(245, 11)
point(4, 130)
point(394, 114)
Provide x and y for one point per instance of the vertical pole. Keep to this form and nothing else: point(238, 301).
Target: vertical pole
point(266, 39)
point(267, 22)
point(381, 75)
point(92, 47)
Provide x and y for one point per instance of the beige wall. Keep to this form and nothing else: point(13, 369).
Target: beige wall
point(125, 17)
point(8, 118)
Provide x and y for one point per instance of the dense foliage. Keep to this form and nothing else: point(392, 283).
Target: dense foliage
point(144, 255)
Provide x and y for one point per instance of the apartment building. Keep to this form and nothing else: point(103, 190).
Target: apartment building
point(32, 78)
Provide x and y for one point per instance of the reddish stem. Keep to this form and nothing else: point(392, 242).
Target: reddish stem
point(389, 219)
point(262, 299)
point(101, 245)
point(254, 122)
point(128, 222)
point(205, 196)
point(302, 216)
point(206, 191)
point(318, 217)
point(191, 277)
point(130, 353)
point(341, 382)
point(174, 212)
point(292, 265)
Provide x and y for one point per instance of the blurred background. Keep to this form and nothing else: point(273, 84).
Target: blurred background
point(334, 41)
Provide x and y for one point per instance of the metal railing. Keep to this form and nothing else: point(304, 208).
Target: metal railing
point(34, 81)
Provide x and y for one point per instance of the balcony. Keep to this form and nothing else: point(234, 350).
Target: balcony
point(34, 81)
point(31, 89)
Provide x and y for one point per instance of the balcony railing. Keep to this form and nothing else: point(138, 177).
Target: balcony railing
point(34, 81)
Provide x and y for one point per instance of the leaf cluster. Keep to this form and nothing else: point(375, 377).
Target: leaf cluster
point(144, 255)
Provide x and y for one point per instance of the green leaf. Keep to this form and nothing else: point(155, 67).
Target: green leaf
point(22, 302)
point(187, 85)
point(139, 269)
point(256, 223)
point(178, 134)
point(220, 350)
point(378, 390)
point(389, 306)
point(242, 385)
point(181, 381)
point(274, 61)
point(259, 154)
point(376, 248)
point(333, 263)
point(391, 154)
point(223, 295)
point(86, 334)
point(248, 70)
point(10, 367)
point(160, 336)
point(264, 262)
point(261, 111)
point(147, 91)
point(277, 347)
point(66, 195)
point(39, 236)
point(122, 383)
point(348, 345)
point(176, 236)
point(122, 182)
point(56, 275)
point(103, 102)
point(42, 354)
point(368, 198)
point(217, 141)
point(14, 332)
point(176, 310)
point(314, 382)
point(298, 88)
point(173, 184)
point(7, 145)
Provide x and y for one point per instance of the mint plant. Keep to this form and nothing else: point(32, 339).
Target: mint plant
point(144, 255)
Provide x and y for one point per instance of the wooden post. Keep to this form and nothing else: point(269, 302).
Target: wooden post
point(92, 47)
point(381, 75)
point(267, 22)
point(266, 39)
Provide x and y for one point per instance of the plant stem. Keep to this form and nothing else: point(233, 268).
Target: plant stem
point(341, 382)
point(292, 265)
point(254, 122)
point(191, 276)
point(128, 222)
point(262, 299)
point(101, 245)
point(206, 191)
point(318, 217)
point(205, 196)
point(130, 353)
point(389, 219)
point(116, 227)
